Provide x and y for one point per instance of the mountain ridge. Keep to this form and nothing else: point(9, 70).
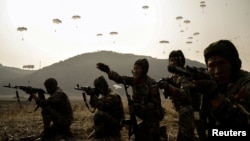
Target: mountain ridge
point(81, 69)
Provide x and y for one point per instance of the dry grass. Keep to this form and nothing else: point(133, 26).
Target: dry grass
point(16, 123)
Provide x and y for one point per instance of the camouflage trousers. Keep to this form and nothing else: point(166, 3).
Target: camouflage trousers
point(151, 132)
point(55, 125)
point(186, 124)
point(149, 129)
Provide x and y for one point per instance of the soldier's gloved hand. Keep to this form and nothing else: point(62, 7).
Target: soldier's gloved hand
point(163, 84)
point(103, 67)
point(134, 107)
point(93, 101)
point(88, 90)
point(41, 103)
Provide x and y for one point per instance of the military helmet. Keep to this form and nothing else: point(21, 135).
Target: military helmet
point(100, 82)
point(143, 63)
point(226, 49)
point(180, 57)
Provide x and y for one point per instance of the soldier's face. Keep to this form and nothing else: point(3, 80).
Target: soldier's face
point(173, 61)
point(49, 91)
point(220, 68)
point(137, 72)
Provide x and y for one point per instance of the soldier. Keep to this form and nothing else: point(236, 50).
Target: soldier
point(56, 112)
point(182, 102)
point(146, 98)
point(229, 104)
point(110, 111)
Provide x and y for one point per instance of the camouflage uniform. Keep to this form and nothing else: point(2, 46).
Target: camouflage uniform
point(58, 111)
point(182, 100)
point(110, 111)
point(147, 101)
point(234, 109)
point(182, 103)
point(146, 98)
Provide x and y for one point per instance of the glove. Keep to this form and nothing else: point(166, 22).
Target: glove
point(95, 102)
point(134, 107)
point(41, 103)
point(206, 86)
point(89, 91)
point(163, 84)
point(103, 67)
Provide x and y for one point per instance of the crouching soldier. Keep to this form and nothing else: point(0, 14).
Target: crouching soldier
point(110, 111)
point(56, 112)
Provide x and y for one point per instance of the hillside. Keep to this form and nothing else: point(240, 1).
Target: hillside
point(81, 69)
point(11, 73)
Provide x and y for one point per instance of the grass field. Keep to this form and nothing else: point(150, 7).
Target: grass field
point(17, 124)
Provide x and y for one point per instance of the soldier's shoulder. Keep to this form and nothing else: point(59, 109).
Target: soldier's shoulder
point(114, 94)
point(244, 78)
point(150, 80)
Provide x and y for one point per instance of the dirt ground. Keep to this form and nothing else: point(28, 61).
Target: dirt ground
point(18, 124)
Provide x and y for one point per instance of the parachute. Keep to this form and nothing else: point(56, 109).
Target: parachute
point(28, 66)
point(76, 17)
point(164, 42)
point(202, 2)
point(202, 5)
point(196, 33)
point(179, 18)
point(57, 21)
point(145, 7)
point(113, 33)
point(99, 34)
point(187, 22)
point(22, 29)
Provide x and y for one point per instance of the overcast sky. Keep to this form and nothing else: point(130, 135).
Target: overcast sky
point(140, 26)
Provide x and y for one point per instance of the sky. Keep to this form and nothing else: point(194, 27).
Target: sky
point(140, 26)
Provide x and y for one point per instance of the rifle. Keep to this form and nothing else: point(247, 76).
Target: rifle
point(194, 73)
point(28, 90)
point(89, 91)
point(132, 122)
point(169, 81)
